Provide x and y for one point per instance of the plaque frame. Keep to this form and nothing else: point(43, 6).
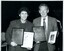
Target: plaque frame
point(26, 34)
point(37, 38)
point(21, 36)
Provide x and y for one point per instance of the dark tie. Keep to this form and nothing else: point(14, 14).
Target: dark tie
point(44, 26)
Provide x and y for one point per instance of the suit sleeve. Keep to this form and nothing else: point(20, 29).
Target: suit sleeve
point(8, 34)
point(34, 22)
point(33, 26)
point(55, 25)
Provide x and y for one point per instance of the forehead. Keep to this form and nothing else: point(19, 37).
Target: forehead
point(43, 7)
point(23, 11)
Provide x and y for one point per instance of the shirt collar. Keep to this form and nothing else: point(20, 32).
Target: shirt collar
point(45, 17)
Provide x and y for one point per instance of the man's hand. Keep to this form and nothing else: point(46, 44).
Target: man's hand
point(26, 47)
point(29, 48)
point(13, 44)
point(38, 42)
point(51, 43)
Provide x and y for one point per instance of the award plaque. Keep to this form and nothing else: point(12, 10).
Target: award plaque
point(52, 37)
point(28, 40)
point(17, 36)
point(39, 33)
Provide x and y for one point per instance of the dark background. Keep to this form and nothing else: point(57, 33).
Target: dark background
point(9, 12)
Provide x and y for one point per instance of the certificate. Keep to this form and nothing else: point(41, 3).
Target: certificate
point(52, 37)
point(17, 36)
point(39, 33)
point(28, 40)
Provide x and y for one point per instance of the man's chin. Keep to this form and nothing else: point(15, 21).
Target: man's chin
point(24, 19)
point(44, 15)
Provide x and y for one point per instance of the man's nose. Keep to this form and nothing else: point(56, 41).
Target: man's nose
point(43, 11)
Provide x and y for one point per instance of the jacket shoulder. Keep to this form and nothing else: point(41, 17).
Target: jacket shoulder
point(36, 19)
point(14, 21)
point(30, 23)
point(53, 19)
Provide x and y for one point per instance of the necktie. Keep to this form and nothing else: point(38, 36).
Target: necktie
point(44, 26)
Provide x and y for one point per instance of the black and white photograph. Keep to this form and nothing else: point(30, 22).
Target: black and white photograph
point(52, 37)
point(48, 15)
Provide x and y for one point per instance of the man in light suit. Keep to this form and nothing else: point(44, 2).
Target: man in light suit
point(50, 24)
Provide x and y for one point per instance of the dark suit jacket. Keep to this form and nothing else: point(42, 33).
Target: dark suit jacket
point(52, 26)
point(17, 24)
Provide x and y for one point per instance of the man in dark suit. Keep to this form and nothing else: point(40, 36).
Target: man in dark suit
point(50, 25)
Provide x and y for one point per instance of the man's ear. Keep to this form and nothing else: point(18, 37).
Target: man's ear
point(19, 14)
point(48, 11)
point(39, 11)
point(27, 15)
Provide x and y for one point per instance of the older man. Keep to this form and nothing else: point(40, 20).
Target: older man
point(49, 23)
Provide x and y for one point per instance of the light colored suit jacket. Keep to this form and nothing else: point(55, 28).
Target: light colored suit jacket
point(52, 24)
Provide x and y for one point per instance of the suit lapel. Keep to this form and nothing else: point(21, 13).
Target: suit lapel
point(48, 28)
point(49, 22)
point(39, 21)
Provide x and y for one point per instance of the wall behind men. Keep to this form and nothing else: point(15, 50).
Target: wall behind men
point(10, 10)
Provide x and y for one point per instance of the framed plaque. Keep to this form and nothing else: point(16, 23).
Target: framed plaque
point(39, 33)
point(28, 40)
point(17, 36)
point(52, 37)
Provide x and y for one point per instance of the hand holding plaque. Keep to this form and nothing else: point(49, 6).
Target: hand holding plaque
point(52, 37)
point(13, 44)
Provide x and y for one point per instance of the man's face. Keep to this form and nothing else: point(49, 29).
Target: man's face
point(23, 15)
point(43, 11)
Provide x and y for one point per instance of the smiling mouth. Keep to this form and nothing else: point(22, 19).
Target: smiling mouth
point(42, 14)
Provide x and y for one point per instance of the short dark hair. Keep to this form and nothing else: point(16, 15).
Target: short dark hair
point(43, 4)
point(23, 9)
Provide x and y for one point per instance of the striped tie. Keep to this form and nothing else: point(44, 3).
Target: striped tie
point(44, 26)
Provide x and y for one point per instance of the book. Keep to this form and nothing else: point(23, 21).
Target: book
point(39, 33)
point(52, 37)
point(17, 36)
point(28, 40)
